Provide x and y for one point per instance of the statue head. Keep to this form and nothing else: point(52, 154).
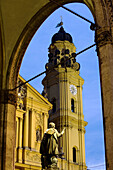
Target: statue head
point(51, 125)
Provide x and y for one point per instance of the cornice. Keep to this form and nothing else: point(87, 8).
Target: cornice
point(35, 92)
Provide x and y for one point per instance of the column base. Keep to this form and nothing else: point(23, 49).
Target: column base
point(31, 157)
point(19, 154)
point(25, 151)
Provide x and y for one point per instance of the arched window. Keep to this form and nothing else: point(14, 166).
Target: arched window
point(54, 104)
point(72, 105)
point(38, 134)
point(74, 154)
point(57, 52)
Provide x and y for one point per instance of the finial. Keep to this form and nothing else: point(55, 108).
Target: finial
point(60, 24)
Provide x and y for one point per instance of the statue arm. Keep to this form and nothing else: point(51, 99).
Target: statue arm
point(60, 134)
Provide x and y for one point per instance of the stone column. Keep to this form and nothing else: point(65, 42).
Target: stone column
point(20, 141)
point(20, 133)
point(105, 54)
point(26, 131)
point(16, 139)
point(26, 128)
point(17, 125)
point(32, 130)
point(7, 129)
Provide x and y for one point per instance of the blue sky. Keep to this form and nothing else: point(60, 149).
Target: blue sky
point(36, 57)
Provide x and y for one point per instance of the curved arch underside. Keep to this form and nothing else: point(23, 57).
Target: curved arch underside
point(20, 24)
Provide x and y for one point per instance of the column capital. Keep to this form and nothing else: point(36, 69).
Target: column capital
point(82, 130)
point(44, 113)
point(27, 109)
point(8, 97)
point(103, 36)
point(34, 110)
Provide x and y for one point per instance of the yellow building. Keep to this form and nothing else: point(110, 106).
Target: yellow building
point(63, 87)
point(31, 123)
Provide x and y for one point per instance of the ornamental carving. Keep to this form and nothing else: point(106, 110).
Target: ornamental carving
point(39, 119)
point(110, 10)
point(22, 91)
point(103, 37)
point(33, 157)
point(76, 66)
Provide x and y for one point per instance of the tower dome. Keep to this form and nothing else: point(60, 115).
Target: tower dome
point(62, 36)
point(62, 51)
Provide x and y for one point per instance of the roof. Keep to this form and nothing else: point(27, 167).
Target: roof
point(62, 36)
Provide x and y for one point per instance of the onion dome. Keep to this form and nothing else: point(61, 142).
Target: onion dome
point(61, 36)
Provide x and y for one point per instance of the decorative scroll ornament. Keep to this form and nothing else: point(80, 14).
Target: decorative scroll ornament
point(103, 36)
point(76, 66)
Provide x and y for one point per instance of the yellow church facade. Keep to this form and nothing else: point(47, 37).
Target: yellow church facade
point(31, 123)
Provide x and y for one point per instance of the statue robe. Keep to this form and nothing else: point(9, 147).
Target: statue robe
point(49, 144)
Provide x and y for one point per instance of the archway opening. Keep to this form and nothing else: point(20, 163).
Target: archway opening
point(89, 71)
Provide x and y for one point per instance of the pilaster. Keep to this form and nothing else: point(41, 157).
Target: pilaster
point(20, 149)
point(33, 133)
point(17, 122)
point(17, 128)
point(26, 126)
point(45, 122)
point(20, 133)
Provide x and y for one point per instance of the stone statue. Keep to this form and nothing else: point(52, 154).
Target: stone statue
point(38, 134)
point(49, 147)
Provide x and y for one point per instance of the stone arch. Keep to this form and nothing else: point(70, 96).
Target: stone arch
point(33, 25)
point(102, 13)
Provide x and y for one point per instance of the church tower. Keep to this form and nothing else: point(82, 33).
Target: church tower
point(63, 88)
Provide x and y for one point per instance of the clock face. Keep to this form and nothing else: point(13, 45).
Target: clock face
point(73, 89)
